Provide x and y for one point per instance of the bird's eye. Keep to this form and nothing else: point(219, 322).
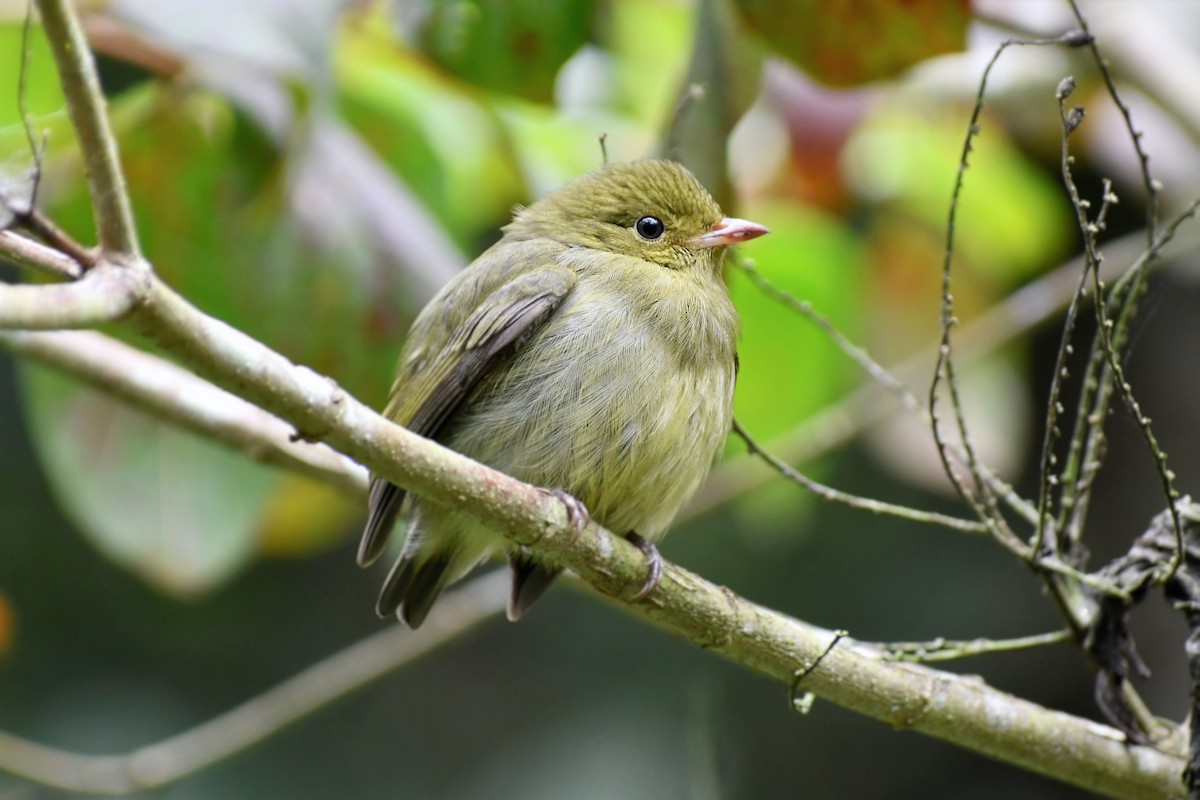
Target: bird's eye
point(649, 228)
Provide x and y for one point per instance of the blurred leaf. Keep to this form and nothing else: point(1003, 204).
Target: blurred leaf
point(1011, 219)
point(789, 368)
point(512, 46)
point(650, 41)
point(844, 44)
point(303, 517)
point(208, 195)
point(445, 144)
point(552, 148)
point(173, 507)
point(282, 36)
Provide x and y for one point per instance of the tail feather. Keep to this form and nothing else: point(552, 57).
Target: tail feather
point(530, 579)
point(395, 586)
point(426, 586)
point(384, 501)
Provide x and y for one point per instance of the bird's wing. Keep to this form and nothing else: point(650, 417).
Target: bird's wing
point(432, 386)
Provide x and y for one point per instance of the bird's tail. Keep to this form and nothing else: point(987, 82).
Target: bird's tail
point(414, 585)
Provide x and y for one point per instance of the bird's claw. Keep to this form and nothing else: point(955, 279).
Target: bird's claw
point(654, 564)
point(578, 516)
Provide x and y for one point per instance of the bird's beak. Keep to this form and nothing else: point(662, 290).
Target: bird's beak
point(730, 231)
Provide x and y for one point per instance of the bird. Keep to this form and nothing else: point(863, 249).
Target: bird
point(591, 351)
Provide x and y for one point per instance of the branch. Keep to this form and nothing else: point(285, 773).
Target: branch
point(173, 394)
point(85, 102)
point(105, 294)
point(29, 253)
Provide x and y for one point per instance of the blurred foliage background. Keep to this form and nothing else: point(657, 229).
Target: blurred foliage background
point(312, 170)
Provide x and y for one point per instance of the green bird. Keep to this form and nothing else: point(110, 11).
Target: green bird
point(592, 350)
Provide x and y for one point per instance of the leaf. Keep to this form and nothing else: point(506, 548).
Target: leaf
point(845, 44)
point(303, 517)
point(446, 145)
point(169, 505)
point(788, 368)
point(227, 242)
point(892, 154)
point(511, 46)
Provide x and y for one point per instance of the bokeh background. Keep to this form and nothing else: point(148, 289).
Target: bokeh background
point(311, 171)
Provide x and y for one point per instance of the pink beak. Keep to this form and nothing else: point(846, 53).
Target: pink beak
point(730, 231)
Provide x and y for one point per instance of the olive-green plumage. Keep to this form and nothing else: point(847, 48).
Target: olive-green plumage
point(590, 350)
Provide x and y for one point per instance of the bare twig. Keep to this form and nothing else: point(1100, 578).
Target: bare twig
point(105, 294)
point(45, 229)
point(85, 102)
point(854, 501)
point(950, 649)
point(1047, 469)
point(1135, 136)
point(1025, 309)
point(29, 253)
point(881, 376)
point(979, 497)
point(1088, 230)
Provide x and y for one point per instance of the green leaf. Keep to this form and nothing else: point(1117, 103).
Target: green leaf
point(446, 144)
point(893, 153)
point(175, 508)
point(848, 43)
point(226, 240)
point(788, 367)
point(512, 46)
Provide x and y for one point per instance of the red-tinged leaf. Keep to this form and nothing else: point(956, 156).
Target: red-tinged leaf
point(844, 44)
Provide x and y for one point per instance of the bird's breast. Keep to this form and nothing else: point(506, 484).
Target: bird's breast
point(622, 399)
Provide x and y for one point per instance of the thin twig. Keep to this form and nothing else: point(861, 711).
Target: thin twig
point(45, 229)
point(1023, 310)
point(1088, 230)
point(85, 102)
point(951, 649)
point(1048, 477)
point(29, 253)
point(1135, 136)
point(880, 375)
point(103, 294)
point(980, 498)
point(854, 501)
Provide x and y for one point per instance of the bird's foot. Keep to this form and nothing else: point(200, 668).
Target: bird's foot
point(654, 564)
point(578, 516)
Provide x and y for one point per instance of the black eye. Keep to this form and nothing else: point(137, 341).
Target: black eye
point(649, 228)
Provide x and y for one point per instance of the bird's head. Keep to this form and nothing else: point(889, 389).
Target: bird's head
point(651, 209)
